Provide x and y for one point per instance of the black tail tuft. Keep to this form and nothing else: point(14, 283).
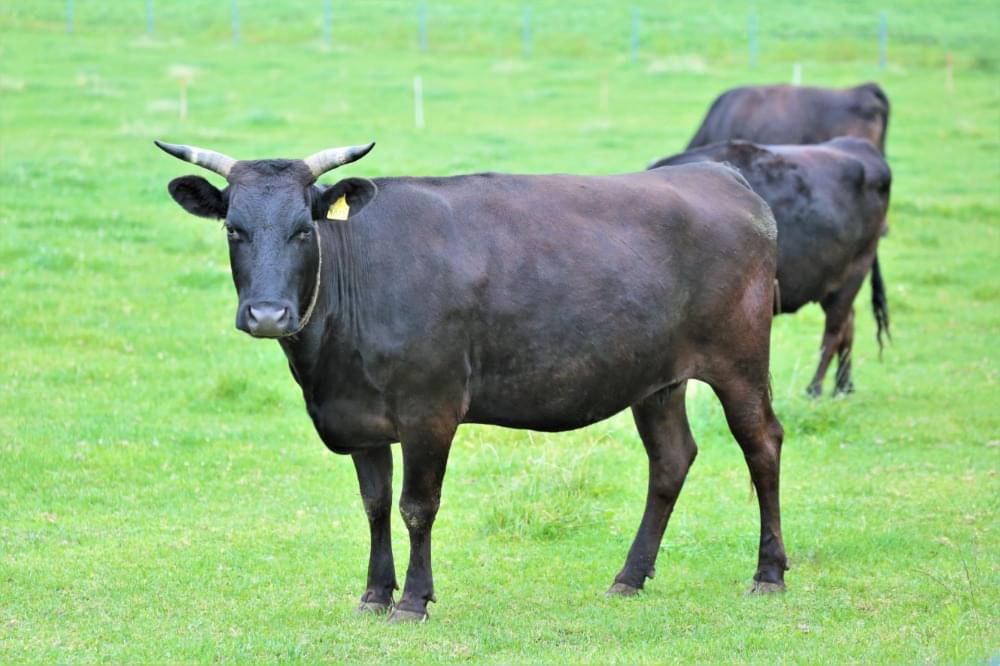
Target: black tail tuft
point(880, 306)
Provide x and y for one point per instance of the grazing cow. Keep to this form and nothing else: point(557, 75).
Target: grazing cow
point(407, 306)
point(829, 201)
point(796, 114)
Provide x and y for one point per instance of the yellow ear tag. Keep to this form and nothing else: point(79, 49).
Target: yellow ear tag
point(338, 209)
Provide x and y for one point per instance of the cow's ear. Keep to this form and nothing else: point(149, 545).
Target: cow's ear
point(199, 197)
point(343, 199)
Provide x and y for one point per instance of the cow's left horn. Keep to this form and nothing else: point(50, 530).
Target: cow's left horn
point(209, 159)
point(327, 160)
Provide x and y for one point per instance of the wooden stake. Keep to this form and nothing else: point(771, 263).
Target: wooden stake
point(418, 102)
point(603, 99)
point(182, 107)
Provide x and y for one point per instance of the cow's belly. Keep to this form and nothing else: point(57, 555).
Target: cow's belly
point(581, 389)
point(552, 415)
point(582, 350)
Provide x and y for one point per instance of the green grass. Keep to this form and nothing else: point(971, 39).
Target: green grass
point(164, 498)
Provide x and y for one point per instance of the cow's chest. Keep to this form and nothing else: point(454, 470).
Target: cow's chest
point(345, 402)
point(347, 423)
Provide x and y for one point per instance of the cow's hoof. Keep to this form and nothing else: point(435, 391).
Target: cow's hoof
point(374, 607)
point(621, 590)
point(764, 587)
point(843, 391)
point(814, 391)
point(401, 616)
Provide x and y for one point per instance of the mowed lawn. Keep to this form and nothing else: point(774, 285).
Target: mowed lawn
point(164, 498)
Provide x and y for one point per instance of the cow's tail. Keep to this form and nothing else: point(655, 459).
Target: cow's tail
point(880, 306)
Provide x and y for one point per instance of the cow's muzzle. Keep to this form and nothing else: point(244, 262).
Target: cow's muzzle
point(265, 319)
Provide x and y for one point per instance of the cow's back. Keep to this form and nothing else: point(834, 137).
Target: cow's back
point(796, 115)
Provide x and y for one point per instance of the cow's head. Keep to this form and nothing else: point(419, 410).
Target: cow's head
point(269, 208)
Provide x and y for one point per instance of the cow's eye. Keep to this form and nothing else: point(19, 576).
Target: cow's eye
point(234, 234)
point(303, 234)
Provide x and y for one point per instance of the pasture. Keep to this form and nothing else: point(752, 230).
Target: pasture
point(164, 497)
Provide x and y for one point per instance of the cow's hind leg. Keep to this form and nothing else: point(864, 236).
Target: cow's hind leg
point(838, 331)
point(830, 344)
point(662, 423)
point(844, 384)
point(374, 468)
point(747, 403)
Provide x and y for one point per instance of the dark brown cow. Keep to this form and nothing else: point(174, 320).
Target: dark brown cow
point(829, 201)
point(407, 306)
point(795, 115)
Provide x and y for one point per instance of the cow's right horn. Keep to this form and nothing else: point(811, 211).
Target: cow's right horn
point(327, 160)
point(209, 159)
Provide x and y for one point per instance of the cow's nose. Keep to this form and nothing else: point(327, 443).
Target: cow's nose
point(267, 320)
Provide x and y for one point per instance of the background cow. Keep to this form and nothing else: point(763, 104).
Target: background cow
point(796, 114)
point(407, 306)
point(830, 202)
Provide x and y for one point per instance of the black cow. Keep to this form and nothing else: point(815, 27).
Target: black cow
point(829, 201)
point(796, 114)
point(407, 306)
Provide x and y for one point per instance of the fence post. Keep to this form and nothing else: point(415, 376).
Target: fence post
point(184, 76)
point(182, 106)
point(883, 39)
point(422, 25)
point(149, 17)
point(418, 102)
point(327, 22)
point(526, 33)
point(752, 29)
point(235, 10)
point(69, 15)
point(603, 94)
point(635, 34)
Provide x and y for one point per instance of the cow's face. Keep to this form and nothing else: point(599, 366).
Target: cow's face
point(269, 210)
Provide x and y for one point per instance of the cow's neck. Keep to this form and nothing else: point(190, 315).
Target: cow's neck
point(337, 323)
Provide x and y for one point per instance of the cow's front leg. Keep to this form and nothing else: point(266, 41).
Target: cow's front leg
point(374, 467)
point(424, 460)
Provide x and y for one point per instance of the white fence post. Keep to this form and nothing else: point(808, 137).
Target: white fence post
point(418, 102)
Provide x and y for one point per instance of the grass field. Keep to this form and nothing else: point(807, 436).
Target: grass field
point(164, 498)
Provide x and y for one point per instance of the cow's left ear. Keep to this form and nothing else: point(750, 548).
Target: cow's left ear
point(343, 199)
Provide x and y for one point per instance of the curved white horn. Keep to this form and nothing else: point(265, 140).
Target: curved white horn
point(209, 159)
point(327, 160)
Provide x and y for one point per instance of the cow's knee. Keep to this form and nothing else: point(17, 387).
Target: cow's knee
point(418, 514)
point(776, 433)
point(377, 507)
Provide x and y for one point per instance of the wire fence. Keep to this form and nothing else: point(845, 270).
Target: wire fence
point(780, 31)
